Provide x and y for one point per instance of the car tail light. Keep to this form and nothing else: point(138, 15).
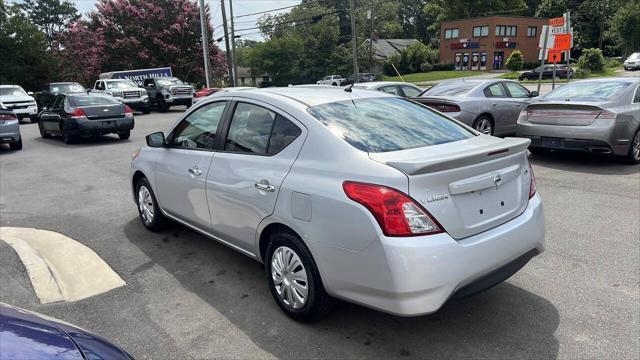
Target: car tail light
point(532, 184)
point(606, 115)
point(128, 110)
point(396, 213)
point(444, 107)
point(8, 117)
point(78, 112)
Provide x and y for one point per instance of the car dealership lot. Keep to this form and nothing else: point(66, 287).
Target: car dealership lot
point(188, 296)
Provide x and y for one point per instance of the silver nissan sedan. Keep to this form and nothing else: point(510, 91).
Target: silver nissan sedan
point(356, 195)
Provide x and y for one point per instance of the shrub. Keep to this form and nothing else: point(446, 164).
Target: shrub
point(612, 63)
point(530, 65)
point(387, 68)
point(514, 62)
point(426, 67)
point(582, 73)
point(443, 67)
point(514, 75)
point(592, 60)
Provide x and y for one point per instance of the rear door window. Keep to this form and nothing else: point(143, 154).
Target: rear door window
point(391, 90)
point(257, 130)
point(516, 90)
point(495, 90)
point(387, 124)
point(410, 91)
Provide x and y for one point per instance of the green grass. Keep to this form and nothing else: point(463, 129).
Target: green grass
point(432, 76)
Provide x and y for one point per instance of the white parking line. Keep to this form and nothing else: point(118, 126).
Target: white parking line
point(60, 268)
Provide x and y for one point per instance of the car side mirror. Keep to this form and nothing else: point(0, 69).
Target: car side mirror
point(533, 94)
point(45, 108)
point(156, 139)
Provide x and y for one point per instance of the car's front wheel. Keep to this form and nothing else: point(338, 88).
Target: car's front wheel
point(294, 279)
point(524, 78)
point(150, 214)
point(68, 138)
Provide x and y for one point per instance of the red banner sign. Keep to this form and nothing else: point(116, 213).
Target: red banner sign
point(562, 42)
point(557, 21)
point(555, 56)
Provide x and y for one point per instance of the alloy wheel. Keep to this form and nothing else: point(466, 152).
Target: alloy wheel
point(636, 146)
point(145, 203)
point(289, 278)
point(484, 126)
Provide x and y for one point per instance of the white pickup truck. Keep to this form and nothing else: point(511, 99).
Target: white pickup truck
point(126, 91)
point(333, 80)
point(15, 98)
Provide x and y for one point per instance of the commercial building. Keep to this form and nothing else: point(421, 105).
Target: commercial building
point(485, 43)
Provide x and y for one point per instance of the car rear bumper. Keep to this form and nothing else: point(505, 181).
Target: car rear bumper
point(83, 127)
point(417, 275)
point(602, 136)
point(9, 131)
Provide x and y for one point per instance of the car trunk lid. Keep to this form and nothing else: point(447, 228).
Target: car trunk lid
point(565, 113)
point(101, 112)
point(469, 186)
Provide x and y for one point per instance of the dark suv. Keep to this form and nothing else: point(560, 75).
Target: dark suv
point(561, 72)
point(165, 92)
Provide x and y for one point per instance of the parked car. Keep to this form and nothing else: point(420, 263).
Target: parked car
point(13, 97)
point(10, 129)
point(595, 115)
point(333, 80)
point(165, 92)
point(29, 335)
point(489, 106)
point(362, 77)
point(632, 62)
point(125, 91)
point(205, 92)
point(561, 73)
point(73, 115)
point(396, 88)
point(49, 91)
point(359, 195)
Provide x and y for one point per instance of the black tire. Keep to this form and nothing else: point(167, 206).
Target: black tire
point(158, 221)
point(146, 111)
point(334, 84)
point(188, 105)
point(633, 156)
point(16, 145)
point(318, 303)
point(163, 106)
point(124, 135)
point(524, 78)
point(484, 124)
point(68, 138)
point(34, 119)
point(43, 133)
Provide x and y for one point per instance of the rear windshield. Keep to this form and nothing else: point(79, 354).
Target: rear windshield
point(387, 124)
point(67, 88)
point(79, 101)
point(594, 90)
point(451, 89)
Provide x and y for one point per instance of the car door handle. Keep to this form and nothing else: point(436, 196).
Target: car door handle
point(494, 104)
point(265, 186)
point(195, 171)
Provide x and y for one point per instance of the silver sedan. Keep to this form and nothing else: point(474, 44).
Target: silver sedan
point(391, 87)
point(596, 115)
point(489, 106)
point(359, 195)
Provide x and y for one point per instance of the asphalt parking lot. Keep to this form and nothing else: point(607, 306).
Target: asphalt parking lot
point(190, 297)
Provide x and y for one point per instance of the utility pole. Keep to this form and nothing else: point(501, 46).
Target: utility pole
point(205, 43)
point(226, 44)
point(354, 44)
point(568, 53)
point(371, 38)
point(544, 51)
point(233, 47)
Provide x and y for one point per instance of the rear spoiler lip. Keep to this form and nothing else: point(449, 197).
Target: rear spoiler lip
point(434, 100)
point(510, 146)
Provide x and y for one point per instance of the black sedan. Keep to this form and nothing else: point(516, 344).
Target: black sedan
point(547, 73)
point(83, 115)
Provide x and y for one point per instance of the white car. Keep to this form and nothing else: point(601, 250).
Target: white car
point(333, 80)
point(14, 98)
point(632, 62)
point(126, 91)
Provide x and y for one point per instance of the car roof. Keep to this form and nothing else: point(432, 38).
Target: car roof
point(315, 95)
point(381, 83)
point(9, 86)
point(63, 83)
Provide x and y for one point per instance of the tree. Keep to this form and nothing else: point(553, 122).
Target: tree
point(592, 60)
point(277, 57)
point(514, 61)
point(624, 27)
point(551, 8)
point(83, 55)
point(25, 61)
point(147, 33)
point(51, 16)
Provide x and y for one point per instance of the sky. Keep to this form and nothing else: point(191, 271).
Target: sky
point(240, 7)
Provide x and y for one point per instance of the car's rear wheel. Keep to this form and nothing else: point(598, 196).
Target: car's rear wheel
point(525, 78)
point(34, 118)
point(484, 125)
point(150, 214)
point(68, 138)
point(633, 157)
point(124, 135)
point(294, 279)
point(538, 151)
point(146, 111)
point(16, 145)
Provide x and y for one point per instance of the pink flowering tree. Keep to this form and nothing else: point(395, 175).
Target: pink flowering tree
point(134, 34)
